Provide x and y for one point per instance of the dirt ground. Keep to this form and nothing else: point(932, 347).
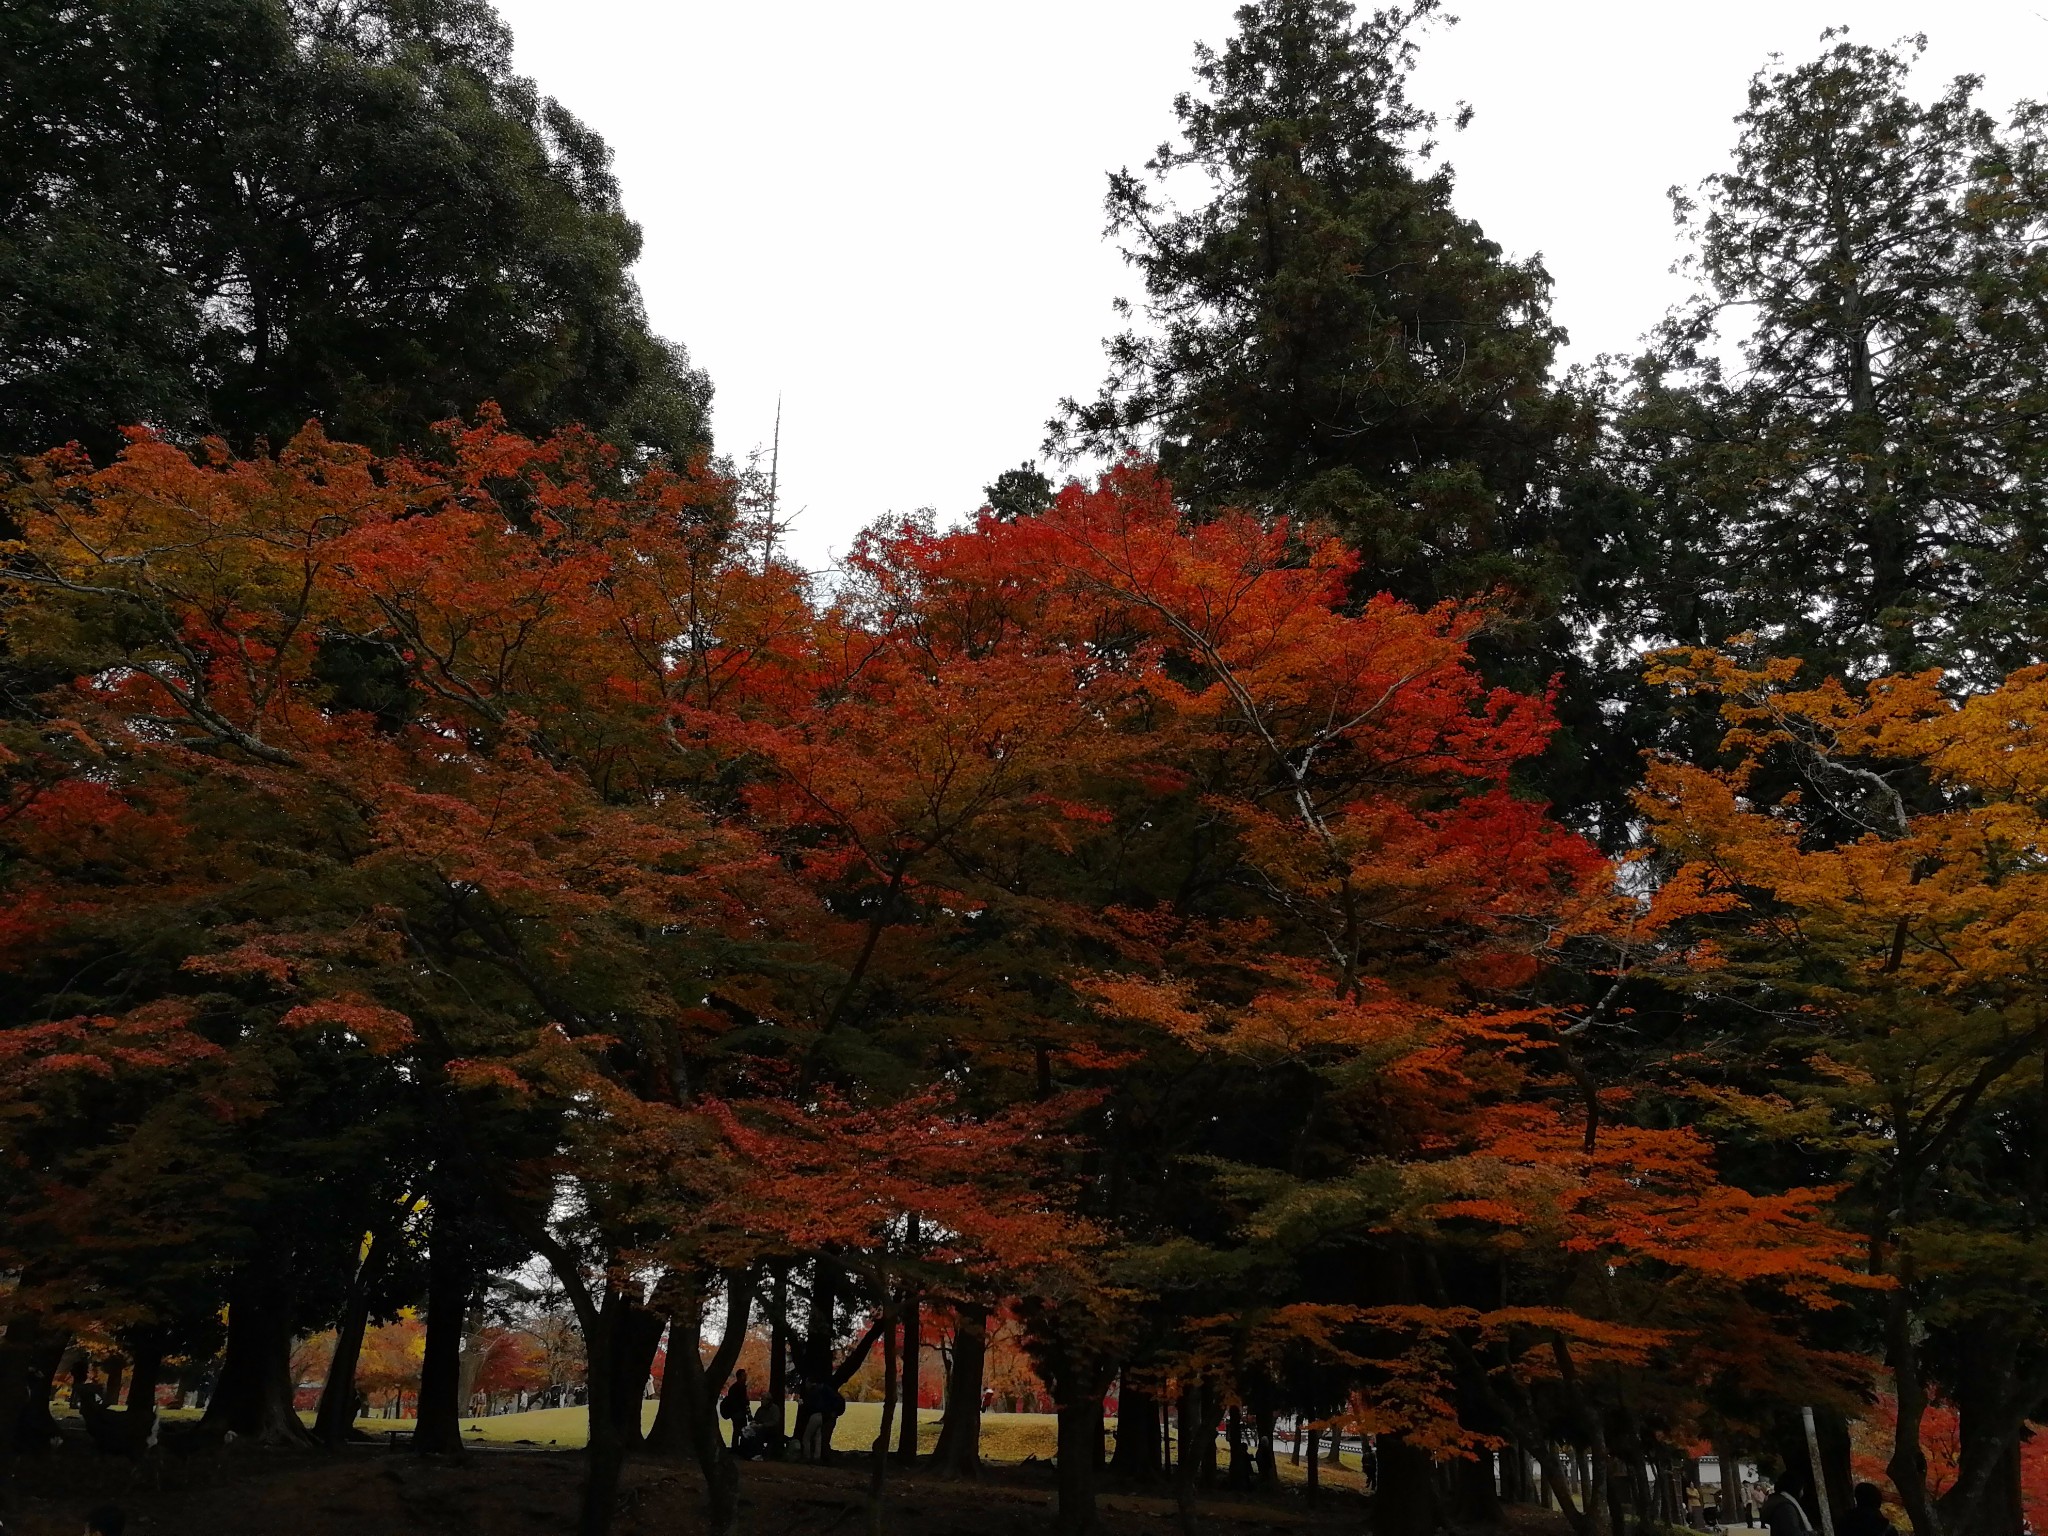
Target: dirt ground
point(244, 1491)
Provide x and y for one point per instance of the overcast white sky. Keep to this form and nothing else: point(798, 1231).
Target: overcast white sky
point(889, 213)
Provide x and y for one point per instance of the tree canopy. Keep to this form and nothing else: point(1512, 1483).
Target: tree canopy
point(233, 215)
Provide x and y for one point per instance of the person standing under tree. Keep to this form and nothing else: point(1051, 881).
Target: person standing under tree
point(1784, 1515)
point(1866, 1513)
point(736, 1405)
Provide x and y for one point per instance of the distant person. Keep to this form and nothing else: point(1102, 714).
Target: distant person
point(1752, 1501)
point(753, 1442)
point(1866, 1513)
point(736, 1406)
point(988, 1398)
point(1784, 1515)
point(819, 1409)
point(107, 1520)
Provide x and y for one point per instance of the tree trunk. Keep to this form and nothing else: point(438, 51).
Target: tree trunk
point(1908, 1464)
point(1991, 1404)
point(634, 1343)
point(253, 1397)
point(604, 1456)
point(1403, 1493)
point(1731, 1482)
point(778, 1359)
point(439, 1429)
point(823, 1321)
point(1188, 1414)
point(673, 1435)
point(1137, 1436)
point(39, 1353)
point(1269, 1462)
point(337, 1414)
point(697, 1402)
point(1080, 1442)
point(913, 1345)
point(144, 1367)
point(1204, 1442)
point(878, 1457)
point(959, 1448)
point(24, 1395)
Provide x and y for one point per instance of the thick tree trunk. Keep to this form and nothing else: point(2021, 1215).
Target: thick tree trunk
point(337, 1415)
point(146, 1365)
point(605, 1452)
point(1080, 1443)
point(24, 1396)
point(1991, 1404)
point(336, 1418)
point(959, 1449)
point(823, 1321)
point(697, 1402)
point(1403, 1494)
point(634, 1343)
point(674, 1434)
point(439, 1429)
point(1137, 1436)
point(40, 1353)
point(604, 1456)
point(253, 1397)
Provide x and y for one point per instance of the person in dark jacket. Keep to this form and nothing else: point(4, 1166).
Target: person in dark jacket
point(736, 1405)
point(1784, 1515)
point(1866, 1513)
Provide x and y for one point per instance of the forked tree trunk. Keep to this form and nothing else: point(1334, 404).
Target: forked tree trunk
point(604, 1455)
point(673, 1435)
point(634, 1343)
point(959, 1449)
point(697, 1402)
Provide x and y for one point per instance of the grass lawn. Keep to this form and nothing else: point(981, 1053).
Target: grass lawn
point(1004, 1436)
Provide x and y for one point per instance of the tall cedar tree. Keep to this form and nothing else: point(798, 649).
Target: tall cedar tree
point(1328, 338)
point(232, 215)
point(1835, 444)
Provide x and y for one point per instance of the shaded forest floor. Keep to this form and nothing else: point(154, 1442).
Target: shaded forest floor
point(504, 1492)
